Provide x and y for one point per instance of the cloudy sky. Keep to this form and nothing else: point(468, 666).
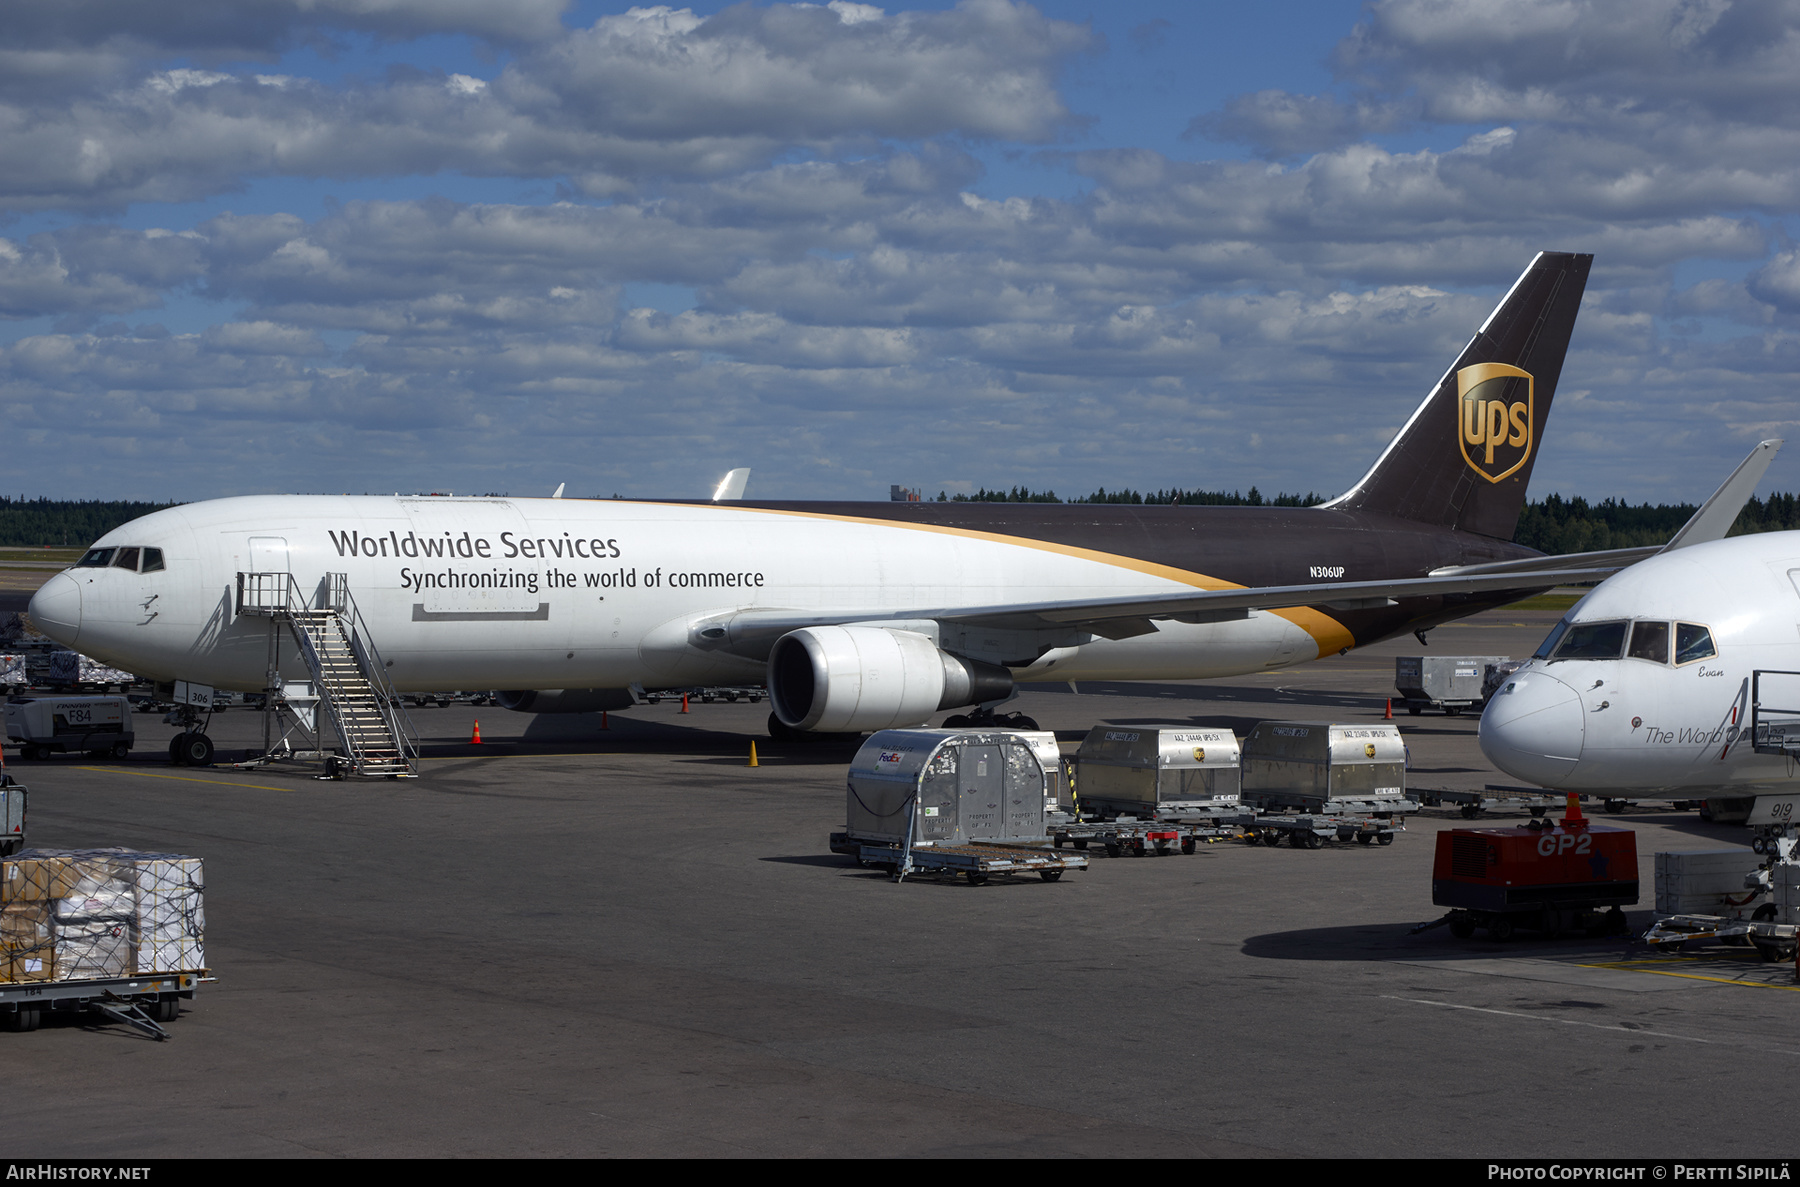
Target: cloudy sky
point(360, 245)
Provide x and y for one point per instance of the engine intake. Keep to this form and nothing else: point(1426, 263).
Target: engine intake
point(840, 679)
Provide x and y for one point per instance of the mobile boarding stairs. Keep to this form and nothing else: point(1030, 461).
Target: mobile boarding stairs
point(373, 729)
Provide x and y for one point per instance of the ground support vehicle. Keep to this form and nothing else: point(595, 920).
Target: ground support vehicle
point(143, 1002)
point(1474, 803)
point(1121, 835)
point(98, 726)
point(1312, 830)
point(977, 861)
point(1546, 875)
point(1451, 683)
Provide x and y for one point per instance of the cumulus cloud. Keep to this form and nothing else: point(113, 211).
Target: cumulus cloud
point(655, 93)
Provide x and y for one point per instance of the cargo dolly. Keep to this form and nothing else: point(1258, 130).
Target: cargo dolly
point(978, 861)
point(1128, 834)
point(1473, 803)
point(1311, 830)
point(144, 1002)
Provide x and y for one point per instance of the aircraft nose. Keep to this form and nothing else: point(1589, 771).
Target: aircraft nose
point(56, 609)
point(1533, 729)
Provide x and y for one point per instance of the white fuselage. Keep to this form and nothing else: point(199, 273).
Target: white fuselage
point(1673, 720)
point(546, 593)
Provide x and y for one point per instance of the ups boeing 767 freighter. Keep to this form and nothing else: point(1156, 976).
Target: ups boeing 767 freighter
point(857, 616)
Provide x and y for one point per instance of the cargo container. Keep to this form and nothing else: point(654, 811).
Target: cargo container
point(1324, 766)
point(1448, 682)
point(1146, 772)
point(945, 787)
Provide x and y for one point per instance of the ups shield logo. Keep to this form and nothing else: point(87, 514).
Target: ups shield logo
point(1495, 406)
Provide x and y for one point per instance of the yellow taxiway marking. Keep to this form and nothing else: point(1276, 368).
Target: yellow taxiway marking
point(182, 778)
point(1639, 966)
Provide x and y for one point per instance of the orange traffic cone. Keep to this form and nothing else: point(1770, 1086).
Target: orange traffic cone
point(476, 740)
point(684, 702)
point(1390, 710)
point(752, 762)
point(603, 724)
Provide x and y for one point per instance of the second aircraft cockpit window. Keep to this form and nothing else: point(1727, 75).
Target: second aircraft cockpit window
point(1649, 640)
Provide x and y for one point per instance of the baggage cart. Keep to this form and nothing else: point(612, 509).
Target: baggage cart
point(1448, 682)
point(1147, 772)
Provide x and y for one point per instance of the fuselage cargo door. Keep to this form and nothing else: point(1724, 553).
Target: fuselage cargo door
point(451, 578)
point(268, 554)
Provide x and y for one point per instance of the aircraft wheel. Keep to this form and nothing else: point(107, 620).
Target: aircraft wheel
point(196, 750)
point(177, 746)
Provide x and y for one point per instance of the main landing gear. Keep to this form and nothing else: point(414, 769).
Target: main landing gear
point(988, 719)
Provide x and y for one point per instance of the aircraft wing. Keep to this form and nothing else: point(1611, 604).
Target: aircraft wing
point(1124, 617)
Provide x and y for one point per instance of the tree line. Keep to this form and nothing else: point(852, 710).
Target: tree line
point(1553, 524)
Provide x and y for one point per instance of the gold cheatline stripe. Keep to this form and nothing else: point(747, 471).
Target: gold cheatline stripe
point(1328, 633)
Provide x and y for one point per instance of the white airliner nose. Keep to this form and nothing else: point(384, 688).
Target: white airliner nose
point(56, 609)
point(1533, 729)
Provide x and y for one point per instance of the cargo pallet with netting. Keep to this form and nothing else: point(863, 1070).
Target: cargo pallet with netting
point(108, 930)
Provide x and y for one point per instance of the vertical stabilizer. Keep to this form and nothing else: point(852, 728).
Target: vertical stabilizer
point(1464, 459)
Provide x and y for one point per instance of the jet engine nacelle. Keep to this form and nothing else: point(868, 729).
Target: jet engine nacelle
point(841, 679)
point(564, 700)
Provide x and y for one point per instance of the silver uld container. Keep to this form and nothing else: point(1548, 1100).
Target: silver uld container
point(970, 785)
point(1305, 763)
point(1454, 680)
point(1145, 770)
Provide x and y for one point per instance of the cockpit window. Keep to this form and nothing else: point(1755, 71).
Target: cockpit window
point(1650, 640)
point(96, 558)
point(153, 560)
point(1692, 642)
point(127, 559)
point(1551, 640)
point(1593, 640)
